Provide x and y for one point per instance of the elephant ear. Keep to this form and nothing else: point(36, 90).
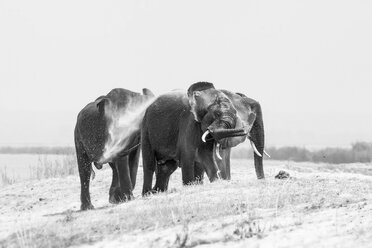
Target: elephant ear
point(198, 99)
point(195, 110)
point(244, 110)
point(251, 120)
point(101, 102)
point(247, 115)
point(147, 92)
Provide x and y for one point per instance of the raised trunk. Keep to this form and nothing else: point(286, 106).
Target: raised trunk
point(227, 133)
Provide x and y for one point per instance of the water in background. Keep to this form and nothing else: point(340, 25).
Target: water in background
point(19, 167)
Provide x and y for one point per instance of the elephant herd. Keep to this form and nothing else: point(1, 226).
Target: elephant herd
point(194, 130)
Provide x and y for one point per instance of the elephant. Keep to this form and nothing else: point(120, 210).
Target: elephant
point(249, 110)
point(91, 136)
point(193, 130)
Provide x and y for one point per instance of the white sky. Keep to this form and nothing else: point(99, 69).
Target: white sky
point(309, 63)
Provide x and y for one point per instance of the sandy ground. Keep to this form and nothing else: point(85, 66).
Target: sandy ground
point(317, 207)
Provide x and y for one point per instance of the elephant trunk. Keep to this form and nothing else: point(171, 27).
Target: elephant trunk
point(219, 134)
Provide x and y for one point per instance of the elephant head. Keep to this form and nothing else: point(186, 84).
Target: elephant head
point(219, 119)
point(217, 115)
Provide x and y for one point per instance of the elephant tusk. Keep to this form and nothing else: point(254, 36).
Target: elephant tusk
point(267, 154)
point(93, 173)
point(218, 172)
point(205, 135)
point(218, 147)
point(255, 149)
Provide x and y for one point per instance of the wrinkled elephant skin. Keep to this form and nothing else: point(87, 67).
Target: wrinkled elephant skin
point(91, 136)
point(183, 130)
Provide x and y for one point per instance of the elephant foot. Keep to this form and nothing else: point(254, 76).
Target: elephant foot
point(114, 199)
point(120, 198)
point(198, 181)
point(150, 192)
point(157, 189)
point(114, 195)
point(86, 206)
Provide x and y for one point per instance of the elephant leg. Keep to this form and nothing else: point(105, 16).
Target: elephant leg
point(115, 192)
point(208, 165)
point(258, 138)
point(133, 165)
point(223, 164)
point(205, 155)
point(198, 173)
point(148, 161)
point(259, 165)
point(85, 169)
point(187, 162)
point(187, 175)
point(163, 173)
point(122, 165)
point(258, 161)
point(227, 164)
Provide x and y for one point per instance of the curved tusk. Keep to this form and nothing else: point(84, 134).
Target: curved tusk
point(267, 154)
point(93, 173)
point(218, 151)
point(205, 135)
point(218, 172)
point(255, 149)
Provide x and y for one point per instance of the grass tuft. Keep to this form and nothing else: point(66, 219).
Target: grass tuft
point(48, 167)
point(6, 179)
point(249, 229)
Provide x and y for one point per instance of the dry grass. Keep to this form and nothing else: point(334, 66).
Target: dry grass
point(6, 178)
point(210, 214)
point(47, 166)
point(355, 168)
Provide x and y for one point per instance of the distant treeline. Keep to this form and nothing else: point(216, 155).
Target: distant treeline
point(61, 150)
point(359, 152)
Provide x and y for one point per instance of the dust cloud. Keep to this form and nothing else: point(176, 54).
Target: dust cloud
point(124, 122)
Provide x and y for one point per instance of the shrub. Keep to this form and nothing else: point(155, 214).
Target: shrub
point(58, 150)
point(360, 152)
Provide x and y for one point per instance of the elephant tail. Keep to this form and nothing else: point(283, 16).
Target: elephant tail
point(126, 152)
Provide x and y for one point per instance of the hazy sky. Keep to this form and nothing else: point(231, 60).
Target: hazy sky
point(309, 63)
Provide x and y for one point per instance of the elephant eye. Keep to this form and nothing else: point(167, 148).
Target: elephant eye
point(217, 114)
point(226, 124)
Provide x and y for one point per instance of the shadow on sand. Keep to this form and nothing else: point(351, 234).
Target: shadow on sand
point(68, 211)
